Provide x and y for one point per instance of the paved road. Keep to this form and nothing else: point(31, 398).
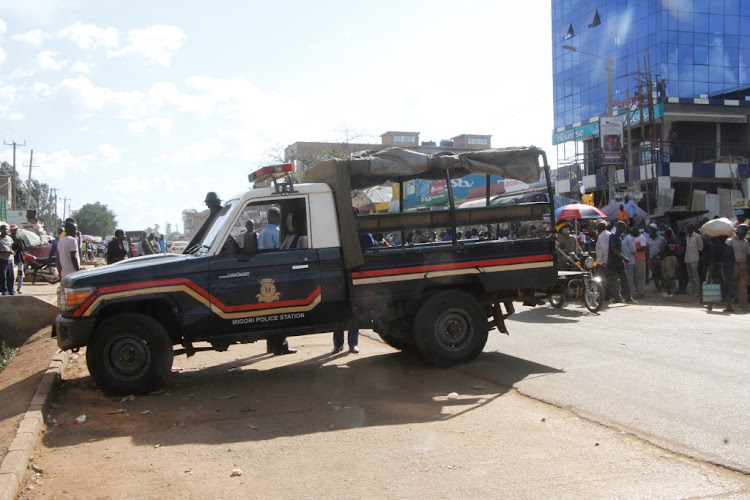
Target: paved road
point(673, 374)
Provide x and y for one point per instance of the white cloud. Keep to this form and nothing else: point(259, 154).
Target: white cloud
point(40, 89)
point(195, 153)
point(3, 27)
point(3, 55)
point(155, 43)
point(162, 126)
point(109, 153)
point(16, 116)
point(33, 37)
point(90, 36)
point(81, 67)
point(46, 60)
point(81, 94)
point(7, 96)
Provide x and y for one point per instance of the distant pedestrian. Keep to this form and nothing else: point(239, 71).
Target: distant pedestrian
point(622, 215)
point(19, 247)
point(656, 246)
point(639, 270)
point(669, 262)
point(741, 250)
point(117, 248)
point(630, 250)
point(693, 248)
point(162, 244)
point(70, 259)
point(722, 270)
point(6, 262)
point(616, 266)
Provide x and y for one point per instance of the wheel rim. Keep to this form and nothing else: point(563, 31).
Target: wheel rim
point(128, 357)
point(593, 297)
point(454, 329)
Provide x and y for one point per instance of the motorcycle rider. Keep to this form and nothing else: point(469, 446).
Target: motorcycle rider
point(566, 243)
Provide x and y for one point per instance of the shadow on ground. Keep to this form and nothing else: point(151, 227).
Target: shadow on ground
point(241, 401)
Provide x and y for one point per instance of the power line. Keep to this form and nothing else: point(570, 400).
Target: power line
point(28, 192)
point(15, 180)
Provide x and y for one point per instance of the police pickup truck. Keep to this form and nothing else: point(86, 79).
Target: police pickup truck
point(222, 290)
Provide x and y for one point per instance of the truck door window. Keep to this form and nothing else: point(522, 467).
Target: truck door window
point(292, 227)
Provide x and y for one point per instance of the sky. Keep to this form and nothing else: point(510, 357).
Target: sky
point(146, 105)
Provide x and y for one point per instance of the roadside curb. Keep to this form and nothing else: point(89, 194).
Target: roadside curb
point(16, 461)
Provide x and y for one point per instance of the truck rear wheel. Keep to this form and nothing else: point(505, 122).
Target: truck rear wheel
point(130, 354)
point(450, 328)
point(396, 343)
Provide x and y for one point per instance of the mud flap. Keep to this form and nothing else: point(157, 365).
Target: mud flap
point(499, 317)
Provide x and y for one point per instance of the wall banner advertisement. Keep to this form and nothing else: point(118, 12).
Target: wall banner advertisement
point(610, 128)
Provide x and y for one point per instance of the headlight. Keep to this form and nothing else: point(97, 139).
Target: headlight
point(588, 263)
point(70, 298)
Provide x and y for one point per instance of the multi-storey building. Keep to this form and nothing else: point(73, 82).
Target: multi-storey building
point(680, 82)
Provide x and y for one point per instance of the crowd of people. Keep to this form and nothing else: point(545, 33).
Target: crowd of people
point(677, 263)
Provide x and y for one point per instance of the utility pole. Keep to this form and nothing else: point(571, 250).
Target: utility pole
point(28, 192)
point(55, 190)
point(15, 180)
point(65, 200)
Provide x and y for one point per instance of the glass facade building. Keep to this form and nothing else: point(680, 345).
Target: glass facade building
point(692, 48)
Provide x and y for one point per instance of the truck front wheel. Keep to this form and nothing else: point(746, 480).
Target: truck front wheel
point(130, 354)
point(450, 328)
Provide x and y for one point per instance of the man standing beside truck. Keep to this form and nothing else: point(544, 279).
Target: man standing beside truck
point(268, 240)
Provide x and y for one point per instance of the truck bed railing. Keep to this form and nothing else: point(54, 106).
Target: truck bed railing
point(384, 223)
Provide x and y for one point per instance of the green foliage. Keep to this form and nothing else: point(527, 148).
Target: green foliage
point(42, 197)
point(6, 354)
point(95, 219)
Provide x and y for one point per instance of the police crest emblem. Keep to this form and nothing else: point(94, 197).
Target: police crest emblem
point(268, 291)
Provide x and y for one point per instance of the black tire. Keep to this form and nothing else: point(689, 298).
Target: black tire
point(593, 296)
point(397, 343)
point(450, 328)
point(130, 354)
point(55, 278)
point(556, 299)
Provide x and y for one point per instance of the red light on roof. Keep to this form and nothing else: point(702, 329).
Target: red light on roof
point(271, 171)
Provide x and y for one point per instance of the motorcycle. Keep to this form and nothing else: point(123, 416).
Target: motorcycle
point(578, 281)
point(44, 267)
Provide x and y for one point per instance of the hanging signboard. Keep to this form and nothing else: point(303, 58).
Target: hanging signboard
point(610, 128)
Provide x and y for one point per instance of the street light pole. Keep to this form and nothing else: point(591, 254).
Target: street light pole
point(609, 66)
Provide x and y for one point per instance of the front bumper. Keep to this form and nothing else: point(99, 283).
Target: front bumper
point(73, 332)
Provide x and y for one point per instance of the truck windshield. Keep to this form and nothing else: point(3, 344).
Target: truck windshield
point(217, 226)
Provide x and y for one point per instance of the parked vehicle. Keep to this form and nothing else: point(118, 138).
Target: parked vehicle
point(177, 246)
point(434, 297)
point(44, 267)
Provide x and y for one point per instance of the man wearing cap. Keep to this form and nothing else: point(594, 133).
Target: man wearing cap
point(6, 261)
point(741, 217)
point(19, 247)
point(565, 241)
point(741, 250)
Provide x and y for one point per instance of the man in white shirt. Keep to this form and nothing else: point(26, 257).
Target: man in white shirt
point(67, 249)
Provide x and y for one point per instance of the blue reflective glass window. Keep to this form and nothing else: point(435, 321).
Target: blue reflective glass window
point(701, 6)
point(715, 87)
point(731, 41)
point(672, 73)
point(686, 54)
point(716, 5)
point(745, 25)
point(731, 25)
point(716, 24)
point(716, 56)
point(700, 38)
point(745, 56)
point(730, 77)
point(686, 21)
point(731, 57)
point(700, 54)
point(732, 7)
point(686, 89)
point(687, 72)
point(700, 25)
point(685, 38)
point(716, 74)
point(700, 73)
point(673, 37)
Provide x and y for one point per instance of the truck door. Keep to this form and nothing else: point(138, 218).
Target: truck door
point(271, 288)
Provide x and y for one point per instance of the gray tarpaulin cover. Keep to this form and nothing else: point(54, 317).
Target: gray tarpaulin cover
point(367, 169)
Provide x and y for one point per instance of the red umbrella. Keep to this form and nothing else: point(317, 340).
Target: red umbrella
point(579, 211)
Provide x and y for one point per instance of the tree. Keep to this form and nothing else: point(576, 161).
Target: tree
point(95, 219)
point(167, 228)
point(42, 198)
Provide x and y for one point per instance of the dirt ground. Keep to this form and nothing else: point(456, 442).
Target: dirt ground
point(19, 380)
point(315, 425)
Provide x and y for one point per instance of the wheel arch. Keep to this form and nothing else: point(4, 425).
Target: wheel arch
point(160, 309)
